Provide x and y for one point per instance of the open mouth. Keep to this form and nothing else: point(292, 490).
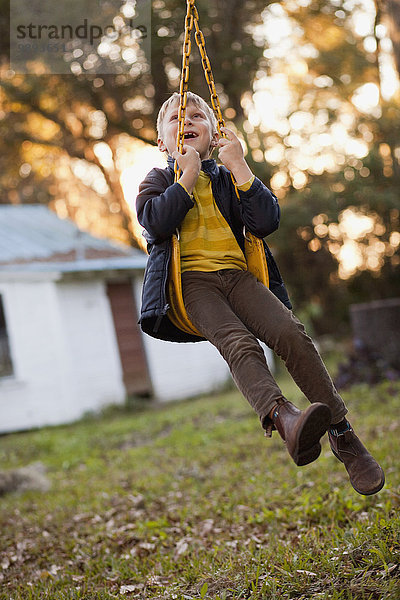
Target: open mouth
point(190, 135)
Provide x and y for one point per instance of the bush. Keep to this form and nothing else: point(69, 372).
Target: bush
point(364, 366)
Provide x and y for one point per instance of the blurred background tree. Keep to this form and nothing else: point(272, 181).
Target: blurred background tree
point(339, 185)
point(391, 12)
point(310, 86)
point(66, 138)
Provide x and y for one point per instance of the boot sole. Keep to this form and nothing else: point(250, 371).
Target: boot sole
point(308, 447)
point(370, 492)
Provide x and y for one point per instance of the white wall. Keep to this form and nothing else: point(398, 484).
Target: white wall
point(63, 351)
point(94, 365)
point(34, 329)
point(184, 370)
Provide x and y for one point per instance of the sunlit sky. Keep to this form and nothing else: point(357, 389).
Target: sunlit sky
point(144, 158)
point(313, 147)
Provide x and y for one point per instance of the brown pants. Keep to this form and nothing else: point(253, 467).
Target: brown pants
point(232, 309)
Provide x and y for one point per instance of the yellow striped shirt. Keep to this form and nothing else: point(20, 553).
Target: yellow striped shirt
point(206, 240)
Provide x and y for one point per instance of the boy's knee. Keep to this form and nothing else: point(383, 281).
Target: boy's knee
point(292, 334)
point(236, 345)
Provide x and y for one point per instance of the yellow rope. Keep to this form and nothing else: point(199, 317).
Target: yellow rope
point(192, 18)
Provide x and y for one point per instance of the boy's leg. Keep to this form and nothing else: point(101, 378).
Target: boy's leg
point(209, 310)
point(269, 320)
point(205, 296)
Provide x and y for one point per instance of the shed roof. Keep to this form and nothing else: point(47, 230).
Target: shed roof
point(33, 238)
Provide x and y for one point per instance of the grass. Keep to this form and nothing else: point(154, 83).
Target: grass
point(189, 501)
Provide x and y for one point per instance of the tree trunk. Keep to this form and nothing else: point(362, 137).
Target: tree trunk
point(392, 11)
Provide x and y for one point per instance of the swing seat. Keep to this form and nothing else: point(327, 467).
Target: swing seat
point(256, 264)
point(177, 312)
point(255, 258)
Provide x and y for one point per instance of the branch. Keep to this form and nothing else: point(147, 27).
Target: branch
point(123, 125)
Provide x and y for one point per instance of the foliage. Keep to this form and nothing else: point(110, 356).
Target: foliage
point(324, 155)
point(364, 366)
point(52, 124)
point(313, 238)
point(312, 234)
point(189, 501)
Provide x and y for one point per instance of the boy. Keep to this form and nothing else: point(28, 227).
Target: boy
point(223, 300)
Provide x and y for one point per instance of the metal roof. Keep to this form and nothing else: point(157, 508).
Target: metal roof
point(33, 238)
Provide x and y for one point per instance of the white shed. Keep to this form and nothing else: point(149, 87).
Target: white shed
point(69, 339)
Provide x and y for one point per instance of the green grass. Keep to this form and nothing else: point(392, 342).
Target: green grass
point(190, 501)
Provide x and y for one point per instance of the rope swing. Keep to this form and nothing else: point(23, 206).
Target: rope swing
point(254, 247)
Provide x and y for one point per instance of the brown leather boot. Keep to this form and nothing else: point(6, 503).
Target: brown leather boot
point(302, 430)
point(366, 476)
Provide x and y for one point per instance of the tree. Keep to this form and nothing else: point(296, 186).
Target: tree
point(391, 9)
point(53, 120)
point(352, 179)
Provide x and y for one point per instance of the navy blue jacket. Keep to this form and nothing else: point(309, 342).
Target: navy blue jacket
point(161, 207)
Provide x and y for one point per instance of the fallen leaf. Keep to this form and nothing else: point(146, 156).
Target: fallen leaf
point(206, 527)
point(181, 547)
point(309, 573)
point(157, 580)
point(127, 589)
point(147, 546)
point(138, 501)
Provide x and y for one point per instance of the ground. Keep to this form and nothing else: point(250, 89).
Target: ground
point(189, 501)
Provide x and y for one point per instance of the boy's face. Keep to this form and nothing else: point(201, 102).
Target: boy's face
point(198, 130)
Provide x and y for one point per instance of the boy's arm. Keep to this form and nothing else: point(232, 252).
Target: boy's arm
point(258, 205)
point(259, 208)
point(161, 204)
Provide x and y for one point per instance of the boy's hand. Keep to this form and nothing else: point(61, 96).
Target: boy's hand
point(231, 151)
point(188, 160)
point(231, 155)
point(190, 164)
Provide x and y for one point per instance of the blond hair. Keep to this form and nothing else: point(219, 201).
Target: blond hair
point(191, 97)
